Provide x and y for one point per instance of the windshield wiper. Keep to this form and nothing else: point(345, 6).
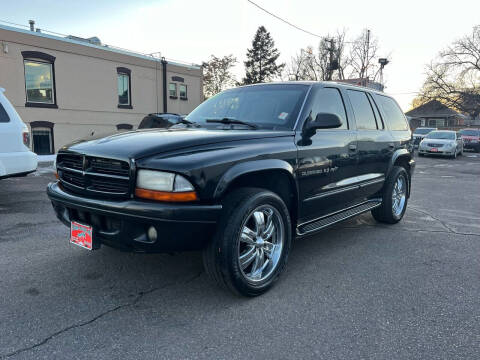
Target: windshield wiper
point(188, 123)
point(228, 121)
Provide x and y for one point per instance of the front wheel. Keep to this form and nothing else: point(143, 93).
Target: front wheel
point(395, 197)
point(252, 243)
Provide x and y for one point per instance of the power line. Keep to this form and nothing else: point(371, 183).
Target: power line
point(283, 20)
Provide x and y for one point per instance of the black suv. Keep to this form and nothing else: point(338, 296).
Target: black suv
point(249, 170)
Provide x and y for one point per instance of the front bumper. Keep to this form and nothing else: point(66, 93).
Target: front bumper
point(124, 224)
point(471, 146)
point(442, 151)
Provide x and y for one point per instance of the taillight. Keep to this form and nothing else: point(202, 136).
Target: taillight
point(26, 138)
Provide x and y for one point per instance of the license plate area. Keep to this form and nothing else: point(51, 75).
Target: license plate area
point(81, 235)
point(434, 150)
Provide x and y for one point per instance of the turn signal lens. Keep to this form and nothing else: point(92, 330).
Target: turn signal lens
point(166, 196)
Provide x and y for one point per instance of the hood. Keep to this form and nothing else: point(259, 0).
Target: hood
point(438, 141)
point(143, 143)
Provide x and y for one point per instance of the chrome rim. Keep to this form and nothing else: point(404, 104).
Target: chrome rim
point(399, 195)
point(261, 243)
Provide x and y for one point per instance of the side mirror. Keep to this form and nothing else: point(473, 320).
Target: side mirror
point(322, 121)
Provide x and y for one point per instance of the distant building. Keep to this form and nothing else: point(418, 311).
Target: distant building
point(66, 88)
point(364, 82)
point(435, 114)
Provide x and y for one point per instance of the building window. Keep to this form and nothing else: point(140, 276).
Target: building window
point(42, 134)
point(124, 88)
point(183, 92)
point(172, 89)
point(39, 79)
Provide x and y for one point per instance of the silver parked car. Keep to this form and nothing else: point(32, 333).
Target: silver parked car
point(441, 142)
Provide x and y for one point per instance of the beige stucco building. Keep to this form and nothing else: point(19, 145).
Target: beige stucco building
point(66, 88)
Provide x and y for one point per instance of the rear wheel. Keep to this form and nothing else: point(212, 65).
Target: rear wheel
point(252, 243)
point(395, 197)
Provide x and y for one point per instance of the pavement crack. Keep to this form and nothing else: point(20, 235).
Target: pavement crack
point(443, 223)
point(139, 296)
point(408, 230)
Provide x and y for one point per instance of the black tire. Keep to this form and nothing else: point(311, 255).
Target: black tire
point(221, 257)
point(419, 154)
point(385, 213)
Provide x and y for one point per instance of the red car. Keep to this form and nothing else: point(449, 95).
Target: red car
point(471, 139)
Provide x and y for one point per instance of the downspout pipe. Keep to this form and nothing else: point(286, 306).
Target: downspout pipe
point(164, 81)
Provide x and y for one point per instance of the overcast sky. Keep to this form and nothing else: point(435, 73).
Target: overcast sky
point(412, 31)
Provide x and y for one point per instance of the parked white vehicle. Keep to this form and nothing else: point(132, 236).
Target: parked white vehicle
point(16, 159)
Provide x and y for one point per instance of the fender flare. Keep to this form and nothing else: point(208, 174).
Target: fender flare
point(397, 154)
point(250, 167)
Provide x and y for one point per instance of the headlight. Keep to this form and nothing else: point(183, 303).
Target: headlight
point(164, 186)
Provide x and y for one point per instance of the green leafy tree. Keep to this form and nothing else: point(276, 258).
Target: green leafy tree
point(261, 65)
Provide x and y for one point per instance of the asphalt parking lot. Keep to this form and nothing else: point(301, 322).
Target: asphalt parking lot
point(359, 290)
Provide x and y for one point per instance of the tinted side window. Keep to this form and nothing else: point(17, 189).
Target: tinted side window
point(362, 108)
point(329, 100)
point(380, 124)
point(394, 114)
point(3, 115)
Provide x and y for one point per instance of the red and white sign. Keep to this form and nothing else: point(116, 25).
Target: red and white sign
point(81, 235)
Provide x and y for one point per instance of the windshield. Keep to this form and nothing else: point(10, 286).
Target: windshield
point(470, 132)
point(441, 135)
point(422, 131)
point(272, 106)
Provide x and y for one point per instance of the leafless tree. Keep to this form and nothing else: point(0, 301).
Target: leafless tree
point(454, 78)
point(217, 74)
point(326, 63)
point(363, 55)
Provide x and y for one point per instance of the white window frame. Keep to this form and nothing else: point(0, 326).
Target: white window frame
point(180, 91)
point(176, 90)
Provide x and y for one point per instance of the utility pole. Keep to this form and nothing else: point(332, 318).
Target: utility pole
point(367, 60)
point(332, 63)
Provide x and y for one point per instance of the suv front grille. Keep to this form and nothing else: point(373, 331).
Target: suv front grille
point(94, 175)
point(434, 145)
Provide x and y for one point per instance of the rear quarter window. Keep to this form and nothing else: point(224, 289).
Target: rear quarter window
point(394, 115)
point(4, 118)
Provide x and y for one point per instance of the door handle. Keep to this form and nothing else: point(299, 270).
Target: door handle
point(391, 146)
point(352, 147)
